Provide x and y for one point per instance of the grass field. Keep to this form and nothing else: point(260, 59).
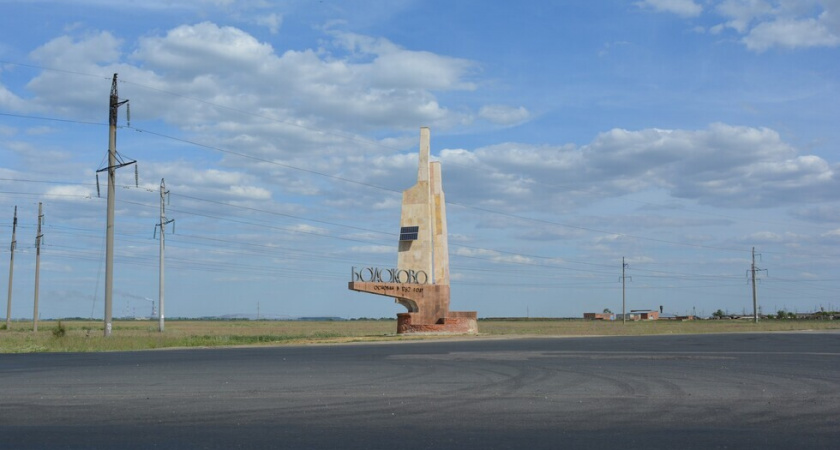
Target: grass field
point(87, 336)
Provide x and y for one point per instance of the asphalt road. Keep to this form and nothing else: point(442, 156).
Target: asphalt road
point(769, 391)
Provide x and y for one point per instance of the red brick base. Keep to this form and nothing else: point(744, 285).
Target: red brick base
point(459, 322)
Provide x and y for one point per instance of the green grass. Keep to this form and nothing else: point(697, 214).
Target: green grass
point(87, 336)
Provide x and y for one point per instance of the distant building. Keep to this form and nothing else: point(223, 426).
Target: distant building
point(667, 316)
point(641, 314)
point(599, 316)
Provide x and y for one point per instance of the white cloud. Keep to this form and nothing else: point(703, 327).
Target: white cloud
point(684, 8)
point(69, 53)
point(235, 91)
point(189, 51)
point(722, 165)
point(308, 229)
point(504, 115)
point(392, 66)
point(73, 193)
point(250, 192)
point(766, 24)
point(271, 21)
point(783, 23)
point(11, 101)
point(790, 34)
point(741, 14)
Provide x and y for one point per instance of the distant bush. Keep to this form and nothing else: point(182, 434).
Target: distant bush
point(59, 330)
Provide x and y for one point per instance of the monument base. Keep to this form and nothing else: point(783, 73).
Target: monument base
point(456, 322)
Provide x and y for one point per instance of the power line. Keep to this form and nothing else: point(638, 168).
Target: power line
point(489, 258)
point(52, 119)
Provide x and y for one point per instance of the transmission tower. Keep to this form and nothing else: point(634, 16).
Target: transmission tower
point(114, 163)
point(162, 226)
point(11, 272)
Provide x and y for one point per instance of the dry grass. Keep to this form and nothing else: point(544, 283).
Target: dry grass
point(578, 327)
point(83, 336)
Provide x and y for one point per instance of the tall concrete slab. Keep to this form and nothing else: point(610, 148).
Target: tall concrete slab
point(440, 237)
point(416, 212)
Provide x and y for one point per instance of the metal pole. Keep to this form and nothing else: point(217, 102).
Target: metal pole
point(162, 234)
point(755, 296)
point(109, 227)
point(11, 272)
point(37, 266)
point(623, 292)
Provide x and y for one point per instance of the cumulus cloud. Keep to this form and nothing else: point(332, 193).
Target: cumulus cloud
point(723, 165)
point(189, 51)
point(765, 24)
point(782, 23)
point(368, 82)
point(228, 90)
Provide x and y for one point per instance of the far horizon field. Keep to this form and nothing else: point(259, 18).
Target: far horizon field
point(131, 335)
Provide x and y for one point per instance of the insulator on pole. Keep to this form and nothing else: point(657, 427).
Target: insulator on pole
point(128, 114)
point(136, 176)
point(97, 186)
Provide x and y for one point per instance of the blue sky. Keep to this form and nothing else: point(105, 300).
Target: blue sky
point(676, 134)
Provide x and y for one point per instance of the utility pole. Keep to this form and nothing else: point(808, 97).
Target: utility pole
point(755, 295)
point(753, 270)
point(162, 226)
point(37, 265)
point(623, 292)
point(11, 272)
point(113, 165)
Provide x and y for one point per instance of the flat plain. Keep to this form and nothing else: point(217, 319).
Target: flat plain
point(128, 335)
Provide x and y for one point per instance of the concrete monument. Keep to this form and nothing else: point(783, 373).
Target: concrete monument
point(420, 282)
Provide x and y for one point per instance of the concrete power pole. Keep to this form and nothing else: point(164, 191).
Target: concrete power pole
point(623, 292)
point(38, 239)
point(11, 272)
point(162, 226)
point(113, 165)
point(751, 273)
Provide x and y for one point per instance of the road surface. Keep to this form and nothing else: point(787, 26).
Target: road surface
point(769, 391)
